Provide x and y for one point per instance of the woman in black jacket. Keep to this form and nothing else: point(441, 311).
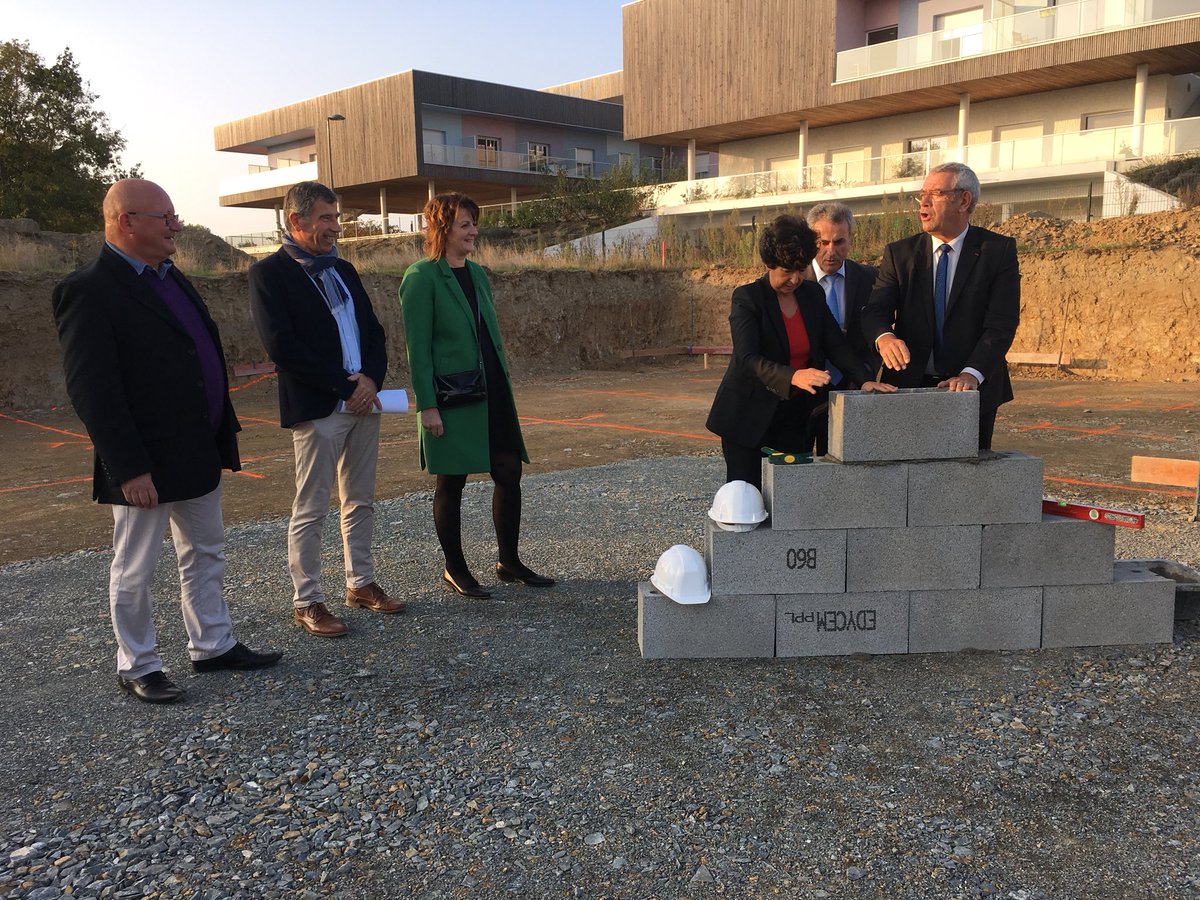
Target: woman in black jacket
point(782, 335)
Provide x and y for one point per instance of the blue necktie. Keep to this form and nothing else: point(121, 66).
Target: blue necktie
point(831, 300)
point(939, 305)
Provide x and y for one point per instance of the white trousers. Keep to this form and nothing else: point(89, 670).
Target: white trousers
point(199, 535)
point(346, 447)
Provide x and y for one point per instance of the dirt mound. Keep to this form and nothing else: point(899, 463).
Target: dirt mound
point(1173, 228)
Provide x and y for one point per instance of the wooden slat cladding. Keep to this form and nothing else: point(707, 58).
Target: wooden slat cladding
point(377, 140)
point(720, 70)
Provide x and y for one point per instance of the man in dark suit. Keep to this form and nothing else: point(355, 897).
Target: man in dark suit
point(146, 373)
point(847, 286)
point(319, 328)
point(946, 304)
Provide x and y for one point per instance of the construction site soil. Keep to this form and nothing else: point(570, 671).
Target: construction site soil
point(600, 366)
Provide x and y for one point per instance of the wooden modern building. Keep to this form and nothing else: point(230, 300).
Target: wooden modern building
point(388, 145)
point(857, 98)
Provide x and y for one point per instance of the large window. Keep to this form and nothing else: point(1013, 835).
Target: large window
point(583, 161)
point(961, 33)
point(1115, 119)
point(435, 145)
point(488, 151)
point(883, 35)
point(539, 157)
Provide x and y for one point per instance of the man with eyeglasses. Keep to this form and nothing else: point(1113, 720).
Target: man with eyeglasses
point(146, 373)
point(946, 304)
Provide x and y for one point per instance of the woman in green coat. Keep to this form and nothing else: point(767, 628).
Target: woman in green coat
point(451, 330)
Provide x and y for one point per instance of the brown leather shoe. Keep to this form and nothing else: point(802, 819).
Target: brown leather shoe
point(373, 597)
point(316, 619)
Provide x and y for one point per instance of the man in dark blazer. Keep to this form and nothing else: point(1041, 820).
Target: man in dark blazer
point(847, 286)
point(146, 373)
point(946, 304)
point(318, 326)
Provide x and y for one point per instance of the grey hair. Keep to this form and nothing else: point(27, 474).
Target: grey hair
point(964, 180)
point(836, 213)
point(301, 197)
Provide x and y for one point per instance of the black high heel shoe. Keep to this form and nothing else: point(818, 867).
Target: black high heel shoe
point(522, 575)
point(474, 591)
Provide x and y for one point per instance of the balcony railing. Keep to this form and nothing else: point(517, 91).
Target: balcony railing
point(1055, 23)
point(272, 178)
point(1102, 144)
point(507, 161)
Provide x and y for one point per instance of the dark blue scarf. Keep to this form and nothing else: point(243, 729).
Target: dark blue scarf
point(316, 266)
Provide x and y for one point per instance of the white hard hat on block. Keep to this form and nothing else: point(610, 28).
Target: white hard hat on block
point(738, 506)
point(680, 574)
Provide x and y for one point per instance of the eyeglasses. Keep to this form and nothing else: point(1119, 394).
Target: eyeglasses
point(929, 196)
point(169, 219)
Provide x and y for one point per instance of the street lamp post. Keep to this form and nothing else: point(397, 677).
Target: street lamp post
point(329, 120)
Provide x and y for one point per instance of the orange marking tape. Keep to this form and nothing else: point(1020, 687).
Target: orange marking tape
point(249, 474)
point(649, 395)
point(44, 427)
point(44, 484)
point(252, 381)
point(257, 421)
point(581, 424)
point(1117, 487)
point(1115, 429)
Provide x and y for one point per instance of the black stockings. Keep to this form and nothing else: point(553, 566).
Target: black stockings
point(506, 514)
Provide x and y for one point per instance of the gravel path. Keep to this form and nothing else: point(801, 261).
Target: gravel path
point(521, 746)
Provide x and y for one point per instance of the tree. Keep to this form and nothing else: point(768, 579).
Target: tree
point(58, 153)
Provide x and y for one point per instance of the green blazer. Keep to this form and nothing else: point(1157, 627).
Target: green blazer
point(440, 331)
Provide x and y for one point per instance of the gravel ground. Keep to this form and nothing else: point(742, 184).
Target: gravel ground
point(520, 746)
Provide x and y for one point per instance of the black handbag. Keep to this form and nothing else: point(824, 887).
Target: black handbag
point(459, 388)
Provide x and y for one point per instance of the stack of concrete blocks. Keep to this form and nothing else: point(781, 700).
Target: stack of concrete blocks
point(908, 539)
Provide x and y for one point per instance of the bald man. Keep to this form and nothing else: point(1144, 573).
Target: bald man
point(146, 373)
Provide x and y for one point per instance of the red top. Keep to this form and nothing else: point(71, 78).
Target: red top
point(797, 341)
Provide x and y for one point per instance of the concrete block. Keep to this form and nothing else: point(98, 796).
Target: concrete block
point(768, 561)
point(839, 624)
point(991, 488)
point(825, 494)
point(913, 559)
point(725, 626)
point(984, 619)
point(1138, 607)
point(1055, 550)
point(913, 423)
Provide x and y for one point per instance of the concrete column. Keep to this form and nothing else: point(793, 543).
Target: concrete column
point(432, 192)
point(964, 120)
point(802, 154)
point(383, 210)
point(512, 196)
point(279, 218)
point(1137, 142)
point(691, 160)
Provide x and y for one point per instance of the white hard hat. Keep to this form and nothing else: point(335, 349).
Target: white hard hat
point(680, 574)
point(738, 506)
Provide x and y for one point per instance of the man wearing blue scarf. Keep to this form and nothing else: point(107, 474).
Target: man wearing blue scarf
point(317, 324)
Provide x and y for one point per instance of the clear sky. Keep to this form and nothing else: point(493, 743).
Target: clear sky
point(166, 73)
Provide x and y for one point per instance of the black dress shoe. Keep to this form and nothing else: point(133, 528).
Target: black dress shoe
point(522, 575)
point(473, 591)
point(153, 687)
point(239, 656)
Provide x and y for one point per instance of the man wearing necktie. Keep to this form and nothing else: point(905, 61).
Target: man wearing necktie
point(146, 373)
point(847, 287)
point(318, 326)
point(946, 304)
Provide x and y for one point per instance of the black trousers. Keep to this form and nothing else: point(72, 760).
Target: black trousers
point(788, 432)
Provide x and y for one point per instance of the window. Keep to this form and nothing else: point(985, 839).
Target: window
point(883, 35)
point(539, 157)
point(961, 33)
point(583, 161)
point(435, 145)
point(920, 154)
point(847, 166)
point(1116, 119)
point(487, 149)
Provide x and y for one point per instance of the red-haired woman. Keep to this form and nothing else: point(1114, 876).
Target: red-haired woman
point(468, 420)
